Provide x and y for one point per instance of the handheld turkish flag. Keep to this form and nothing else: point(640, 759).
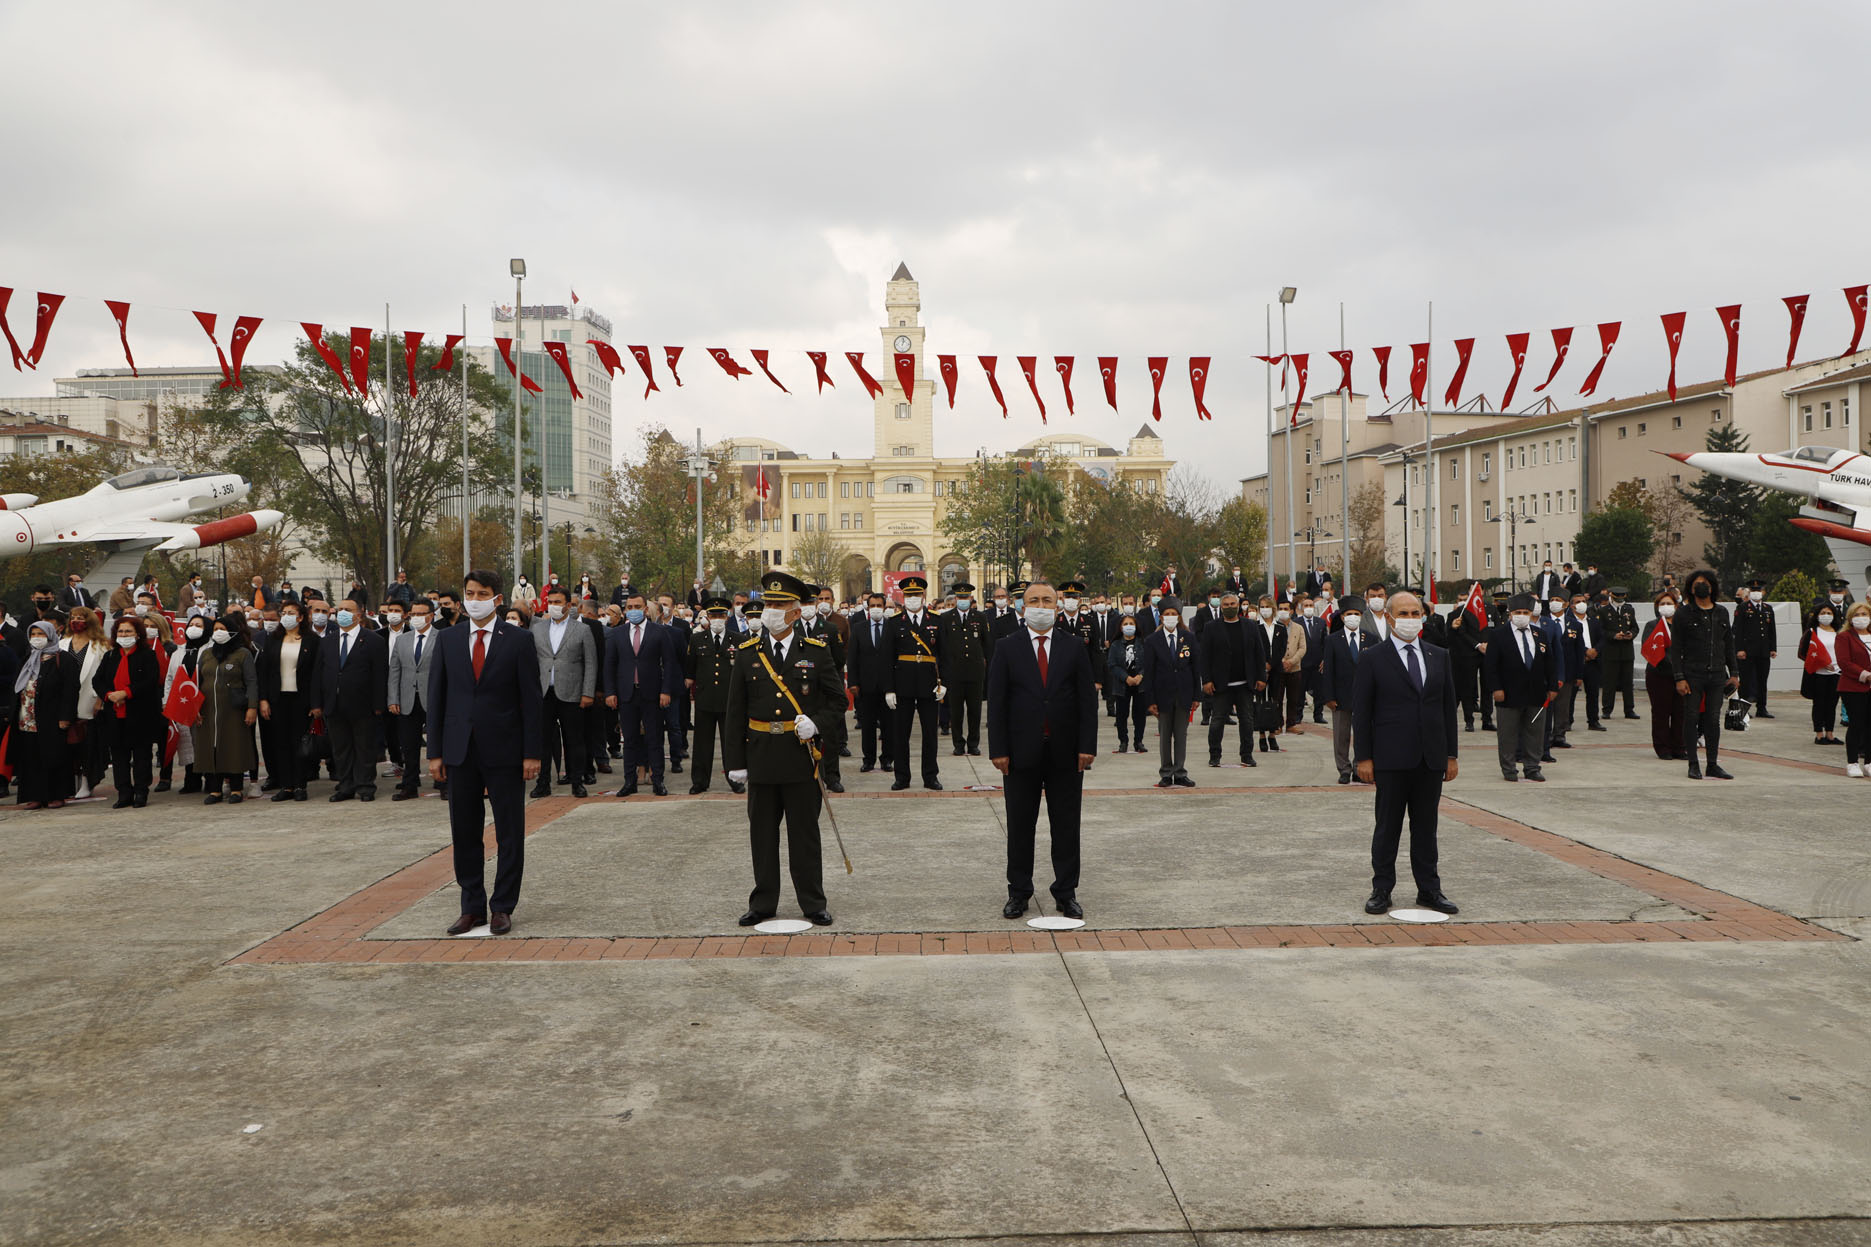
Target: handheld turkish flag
point(1159, 364)
point(1796, 313)
point(856, 360)
point(950, 375)
point(1673, 333)
point(1331, 612)
point(122, 313)
point(1517, 347)
point(905, 364)
point(1198, 384)
point(642, 355)
point(447, 362)
point(1854, 295)
point(1731, 326)
point(760, 358)
point(1344, 365)
point(987, 366)
point(360, 360)
point(1607, 338)
point(728, 363)
point(1419, 372)
point(19, 356)
point(183, 705)
point(562, 357)
point(818, 366)
point(412, 343)
point(42, 326)
point(1562, 346)
point(1657, 645)
point(1383, 370)
point(1027, 364)
point(207, 320)
point(1464, 347)
point(1473, 605)
point(1816, 660)
point(1302, 372)
point(763, 488)
point(1107, 372)
point(608, 356)
point(506, 355)
point(317, 334)
point(672, 355)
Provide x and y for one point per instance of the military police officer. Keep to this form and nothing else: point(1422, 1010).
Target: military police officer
point(711, 659)
point(914, 640)
point(965, 648)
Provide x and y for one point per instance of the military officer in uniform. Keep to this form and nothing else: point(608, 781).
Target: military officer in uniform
point(711, 658)
point(1757, 644)
point(965, 649)
point(914, 639)
point(1007, 623)
point(783, 684)
point(1617, 623)
point(818, 618)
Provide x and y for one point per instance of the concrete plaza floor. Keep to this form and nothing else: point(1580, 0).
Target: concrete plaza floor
point(1584, 1089)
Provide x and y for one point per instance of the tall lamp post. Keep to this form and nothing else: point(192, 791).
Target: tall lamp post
point(518, 269)
point(1513, 523)
point(1287, 295)
point(699, 466)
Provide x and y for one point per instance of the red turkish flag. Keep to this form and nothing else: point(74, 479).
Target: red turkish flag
point(1027, 364)
point(1673, 334)
point(1302, 371)
point(1562, 345)
point(42, 326)
point(412, 343)
point(447, 362)
point(244, 329)
point(1657, 645)
point(1731, 326)
point(818, 366)
point(1344, 365)
point(987, 366)
point(1854, 295)
point(856, 360)
point(950, 375)
point(1159, 364)
point(1198, 384)
point(1062, 364)
point(1464, 347)
point(1475, 606)
point(317, 334)
point(360, 359)
point(207, 320)
point(760, 358)
point(1796, 314)
point(905, 363)
point(642, 355)
point(563, 358)
point(506, 354)
point(19, 356)
point(1419, 372)
point(1607, 338)
point(728, 363)
point(1517, 347)
point(122, 312)
point(672, 355)
point(1107, 369)
point(763, 488)
point(608, 356)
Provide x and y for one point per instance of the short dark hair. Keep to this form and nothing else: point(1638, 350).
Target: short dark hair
point(873, 597)
point(489, 580)
point(557, 590)
point(1377, 585)
point(635, 596)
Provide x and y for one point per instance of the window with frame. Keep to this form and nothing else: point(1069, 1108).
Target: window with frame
point(1806, 418)
point(1623, 432)
point(1676, 422)
point(844, 489)
point(1487, 558)
point(1572, 448)
point(1642, 428)
point(1455, 513)
point(844, 519)
point(1454, 467)
point(795, 521)
point(1487, 461)
point(823, 489)
point(857, 519)
point(1487, 510)
point(1825, 414)
point(795, 487)
point(1572, 499)
point(1455, 560)
point(1308, 456)
point(1845, 413)
point(903, 411)
point(1715, 416)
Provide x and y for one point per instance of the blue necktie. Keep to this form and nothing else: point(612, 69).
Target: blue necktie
point(418, 649)
point(344, 648)
point(1416, 672)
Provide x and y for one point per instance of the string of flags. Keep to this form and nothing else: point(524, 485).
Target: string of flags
point(353, 372)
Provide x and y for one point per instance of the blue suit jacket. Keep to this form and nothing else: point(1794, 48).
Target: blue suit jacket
point(1554, 630)
point(1018, 706)
point(1170, 676)
point(655, 669)
point(1341, 670)
point(497, 716)
point(1394, 725)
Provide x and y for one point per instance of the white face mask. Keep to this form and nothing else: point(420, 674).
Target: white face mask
point(1579, 609)
point(1308, 611)
point(393, 618)
point(1000, 604)
point(1523, 622)
point(717, 626)
point(220, 636)
point(319, 618)
point(289, 622)
point(127, 642)
point(824, 609)
point(1667, 609)
point(1101, 607)
point(556, 611)
point(891, 612)
point(1130, 629)
point(1070, 604)
point(876, 614)
point(1825, 620)
point(1838, 599)
point(1254, 613)
point(271, 626)
point(1283, 616)
point(962, 604)
point(152, 633)
point(1861, 622)
point(772, 618)
point(1170, 622)
point(39, 641)
point(912, 605)
point(1127, 609)
point(1557, 608)
point(1408, 629)
point(1352, 622)
point(194, 634)
point(480, 608)
point(1040, 618)
point(142, 608)
point(1757, 596)
point(1376, 604)
point(419, 622)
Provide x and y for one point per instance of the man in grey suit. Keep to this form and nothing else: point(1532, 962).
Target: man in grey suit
point(568, 679)
point(409, 687)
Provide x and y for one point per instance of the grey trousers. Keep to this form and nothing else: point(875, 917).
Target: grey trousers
point(1173, 742)
point(1341, 740)
point(1516, 731)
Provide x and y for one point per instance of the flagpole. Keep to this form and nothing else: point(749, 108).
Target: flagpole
point(1292, 425)
point(389, 460)
point(1429, 463)
point(1269, 358)
point(545, 525)
point(467, 554)
point(1344, 476)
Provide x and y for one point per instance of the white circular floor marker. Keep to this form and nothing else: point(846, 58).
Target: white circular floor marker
point(1418, 915)
point(782, 926)
point(1053, 923)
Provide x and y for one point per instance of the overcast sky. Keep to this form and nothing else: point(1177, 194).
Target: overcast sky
point(1062, 178)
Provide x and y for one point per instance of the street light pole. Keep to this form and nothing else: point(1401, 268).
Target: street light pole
point(698, 468)
point(1287, 295)
point(518, 269)
point(1269, 517)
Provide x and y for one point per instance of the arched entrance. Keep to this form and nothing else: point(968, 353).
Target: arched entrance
point(954, 571)
point(855, 577)
point(905, 556)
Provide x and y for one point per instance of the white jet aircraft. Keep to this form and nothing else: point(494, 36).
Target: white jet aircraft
point(1838, 483)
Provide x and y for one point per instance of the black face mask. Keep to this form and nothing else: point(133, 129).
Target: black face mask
point(1703, 591)
point(1230, 612)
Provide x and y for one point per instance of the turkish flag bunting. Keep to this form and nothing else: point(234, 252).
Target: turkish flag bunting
point(1198, 384)
point(1299, 367)
point(1607, 338)
point(1854, 295)
point(950, 375)
point(317, 334)
point(1464, 347)
point(1657, 645)
point(1107, 369)
point(760, 358)
point(1344, 365)
point(905, 364)
point(1673, 334)
point(207, 320)
point(1419, 372)
point(412, 343)
point(1062, 364)
point(42, 326)
point(818, 366)
point(506, 354)
point(19, 356)
point(243, 337)
point(563, 358)
point(122, 312)
point(728, 363)
point(1383, 370)
point(987, 366)
point(672, 355)
point(1562, 345)
point(1796, 313)
point(447, 362)
point(642, 355)
point(1027, 364)
point(1159, 364)
point(1731, 326)
point(360, 360)
point(608, 356)
point(1517, 347)
point(856, 360)
point(1474, 606)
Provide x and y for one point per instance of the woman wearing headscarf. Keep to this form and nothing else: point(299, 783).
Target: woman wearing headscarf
point(1819, 681)
point(129, 684)
point(230, 696)
point(84, 637)
point(183, 664)
point(45, 705)
point(1666, 704)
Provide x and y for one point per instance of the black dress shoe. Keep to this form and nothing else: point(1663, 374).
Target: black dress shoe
point(1214, 761)
point(974, 751)
point(284, 794)
point(1014, 908)
point(696, 790)
point(604, 768)
point(1536, 779)
point(366, 796)
point(675, 767)
point(736, 787)
point(1141, 747)
point(656, 786)
point(1595, 727)
point(1344, 779)
point(401, 794)
point(1562, 744)
point(1633, 716)
point(163, 785)
point(1379, 903)
point(1070, 908)
point(820, 918)
point(1165, 783)
point(899, 785)
point(1247, 759)
point(1469, 727)
point(563, 779)
point(298, 794)
point(542, 789)
point(628, 790)
point(866, 769)
point(1695, 771)
point(844, 751)
point(139, 798)
point(341, 796)
point(834, 785)
point(1716, 772)
point(579, 790)
point(499, 924)
point(933, 785)
point(465, 924)
point(1547, 757)
point(1764, 715)
point(1273, 745)
point(122, 802)
point(959, 753)
point(1436, 901)
point(752, 917)
point(1183, 781)
point(213, 798)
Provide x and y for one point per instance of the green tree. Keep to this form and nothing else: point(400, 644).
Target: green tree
point(651, 530)
point(1726, 507)
point(1107, 535)
point(1618, 540)
point(1368, 562)
point(1241, 536)
point(1776, 547)
point(1796, 586)
point(818, 558)
point(1011, 514)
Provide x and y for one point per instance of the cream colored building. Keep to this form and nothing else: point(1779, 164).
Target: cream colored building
point(886, 510)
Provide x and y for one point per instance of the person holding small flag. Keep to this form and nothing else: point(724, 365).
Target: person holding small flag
point(1666, 704)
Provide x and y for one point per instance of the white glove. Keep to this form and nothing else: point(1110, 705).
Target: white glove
point(805, 728)
point(737, 777)
point(940, 692)
point(890, 700)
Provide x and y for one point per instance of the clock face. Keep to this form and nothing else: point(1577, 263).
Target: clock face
point(902, 343)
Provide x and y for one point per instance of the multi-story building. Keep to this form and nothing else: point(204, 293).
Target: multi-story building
point(576, 431)
point(30, 438)
point(111, 403)
point(887, 509)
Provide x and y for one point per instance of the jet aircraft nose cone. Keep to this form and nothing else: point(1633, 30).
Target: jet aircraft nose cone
point(1677, 455)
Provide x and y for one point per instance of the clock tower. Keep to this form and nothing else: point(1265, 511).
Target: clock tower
point(904, 424)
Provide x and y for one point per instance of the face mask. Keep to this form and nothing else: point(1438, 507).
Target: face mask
point(1523, 622)
point(1557, 608)
point(1102, 608)
point(1667, 609)
point(773, 618)
point(39, 640)
point(289, 622)
point(480, 608)
point(1000, 604)
point(1170, 622)
point(271, 625)
point(346, 619)
point(393, 618)
point(253, 625)
point(634, 615)
point(1861, 622)
point(1591, 571)
point(1579, 610)
point(1070, 604)
point(1237, 573)
point(1130, 629)
point(1826, 619)
point(876, 614)
point(1214, 604)
point(1230, 612)
point(319, 618)
point(556, 611)
point(142, 608)
point(1352, 622)
point(1758, 595)
point(194, 634)
point(1547, 568)
point(1308, 611)
point(962, 604)
point(1283, 616)
point(220, 636)
point(1376, 604)
point(127, 642)
point(1040, 618)
point(1702, 590)
point(1128, 608)
point(1838, 599)
point(825, 608)
point(152, 633)
point(891, 612)
point(1408, 629)
point(1155, 598)
point(419, 622)
point(912, 605)
point(717, 626)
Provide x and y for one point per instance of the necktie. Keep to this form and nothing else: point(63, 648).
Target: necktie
point(1526, 648)
point(344, 649)
point(877, 635)
point(480, 650)
point(418, 649)
point(1043, 667)
point(636, 637)
point(1354, 648)
point(1416, 672)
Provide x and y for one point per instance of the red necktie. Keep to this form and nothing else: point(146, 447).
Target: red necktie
point(480, 650)
point(1042, 660)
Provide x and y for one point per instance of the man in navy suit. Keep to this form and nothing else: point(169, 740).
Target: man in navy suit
point(484, 728)
point(1403, 712)
point(1521, 674)
point(1042, 734)
point(870, 669)
point(1343, 649)
point(350, 691)
point(1170, 676)
point(643, 671)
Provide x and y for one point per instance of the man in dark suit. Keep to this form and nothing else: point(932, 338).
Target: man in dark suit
point(1757, 644)
point(1520, 676)
point(1344, 649)
point(1042, 732)
point(1235, 583)
point(870, 669)
point(1572, 581)
point(1548, 585)
point(1312, 666)
point(74, 594)
point(1315, 581)
point(350, 691)
point(485, 737)
point(965, 648)
point(1617, 623)
point(1171, 679)
point(915, 642)
point(1171, 584)
point(819, 618)
point(1005, 621)
point(711, 661)
point(1232, 662)
point(643, 673)
point(1403, 712)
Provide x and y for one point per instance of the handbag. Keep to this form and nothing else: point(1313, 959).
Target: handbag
point(1267, 716)
point(315, 746)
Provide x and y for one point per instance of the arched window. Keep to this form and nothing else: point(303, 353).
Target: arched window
point(903, 485)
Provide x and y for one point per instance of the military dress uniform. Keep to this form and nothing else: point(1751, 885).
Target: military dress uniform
point(915, 645)
point(1757, 637)
point(761, 737)
point(834, 746)
point(1617, 624)
point(710, 663)
point(965, 648)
